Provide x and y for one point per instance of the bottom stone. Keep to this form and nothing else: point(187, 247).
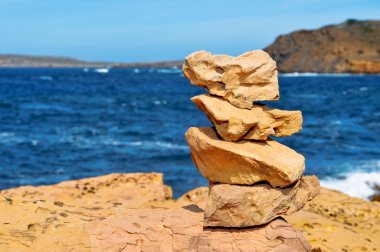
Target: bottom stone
point(41, 225)
point(245, 206)
point(181, 229)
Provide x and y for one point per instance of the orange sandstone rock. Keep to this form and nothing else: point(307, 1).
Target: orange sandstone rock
point(182, 230)
point(134, 189)
point(66, 217)
point(243, 162)
point(48, 219)
point(245, 206)
point(241, 80)
point(334, 221)
point(257, 123)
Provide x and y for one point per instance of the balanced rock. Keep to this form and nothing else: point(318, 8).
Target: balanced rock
point(258, 123)
point(241, 80)
point(243, 162)
point(244, 206)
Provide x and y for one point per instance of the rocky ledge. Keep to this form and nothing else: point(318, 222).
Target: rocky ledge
point(136, 212)
point(350, 47)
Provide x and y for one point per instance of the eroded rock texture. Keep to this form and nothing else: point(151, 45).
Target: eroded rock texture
point(241, 80)
point(257, 123)
point(334, 221)
point(245, 206)
point(243, 162)
point(45, 221)
point(116, 216)
point(181, 230)
point(134, 189)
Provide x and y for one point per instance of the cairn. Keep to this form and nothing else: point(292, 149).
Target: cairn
point(253, 179)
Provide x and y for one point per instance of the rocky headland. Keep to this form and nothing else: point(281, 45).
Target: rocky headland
point(136, 212)
point(349, 47)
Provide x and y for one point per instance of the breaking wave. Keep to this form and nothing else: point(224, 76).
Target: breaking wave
point(357, 184)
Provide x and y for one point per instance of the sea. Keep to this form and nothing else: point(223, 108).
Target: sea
point(64, 124)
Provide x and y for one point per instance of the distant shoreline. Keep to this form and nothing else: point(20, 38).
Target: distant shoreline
point(167, 65)
point(25, 61)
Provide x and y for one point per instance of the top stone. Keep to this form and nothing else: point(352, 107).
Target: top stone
point(241, 80)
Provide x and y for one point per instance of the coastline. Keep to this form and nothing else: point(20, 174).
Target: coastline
point(333, 220)
point(22, 61)
point(175, 66)
point(26, 61)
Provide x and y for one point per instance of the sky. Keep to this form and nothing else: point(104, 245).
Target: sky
point(157, 30)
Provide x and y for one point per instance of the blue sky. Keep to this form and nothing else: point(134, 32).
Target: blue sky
point(154, 30)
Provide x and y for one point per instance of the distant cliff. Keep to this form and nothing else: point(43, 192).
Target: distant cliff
point(353, 47)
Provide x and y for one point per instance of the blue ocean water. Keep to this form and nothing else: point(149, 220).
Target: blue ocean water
point(61, 124)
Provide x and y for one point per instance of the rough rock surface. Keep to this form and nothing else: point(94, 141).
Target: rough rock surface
point(332, 221)
point(352, 46)
point(241, 80)
point(243, 162)
point(50, 220)
point(181, 230)
point(258, 123)
point(246, 206)
point(134, 189)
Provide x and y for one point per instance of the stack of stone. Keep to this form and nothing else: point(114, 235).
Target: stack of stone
point(253, 179)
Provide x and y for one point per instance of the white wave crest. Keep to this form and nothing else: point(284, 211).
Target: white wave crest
point(167, 145)
point(169, 70)
point(357, 184)
point(45, 78)
point(6, 134)
point(84, 142)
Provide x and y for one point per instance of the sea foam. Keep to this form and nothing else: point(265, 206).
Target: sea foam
point(169, 70)
point(357, 184)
